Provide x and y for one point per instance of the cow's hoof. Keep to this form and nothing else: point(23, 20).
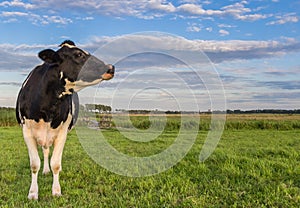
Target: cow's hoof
point(46, 171)
point(56, 191)
point(33, 196)
point(57, 194)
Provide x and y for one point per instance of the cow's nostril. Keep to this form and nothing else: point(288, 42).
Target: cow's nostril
point(111, 69)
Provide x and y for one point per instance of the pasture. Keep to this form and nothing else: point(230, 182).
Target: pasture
point(256, 164)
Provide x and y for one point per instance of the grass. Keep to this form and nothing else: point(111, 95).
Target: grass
point(233, 121)
point(249, 168)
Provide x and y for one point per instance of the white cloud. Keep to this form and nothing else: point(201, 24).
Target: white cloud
point(198, 10)
point(17, 3)
point(209, 29)
point(35, 18)
point(251, 17)
point(56, 19)
point(13, 14)
point(10, 20)
point(193, 27)
point(188, 1)
point(288, 18)
point(240, 12)
point(162, 6)
point(105, 7)
point(237, 8)
point(223, 32)
point(237, 11)
point(226, 26)
point(85, 18)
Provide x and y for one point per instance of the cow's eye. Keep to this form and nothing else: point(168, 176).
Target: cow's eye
point(78, 55)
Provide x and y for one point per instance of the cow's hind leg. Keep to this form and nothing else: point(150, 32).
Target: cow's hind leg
point(34, 162)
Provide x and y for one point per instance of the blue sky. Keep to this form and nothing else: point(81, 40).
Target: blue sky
point(253, 44)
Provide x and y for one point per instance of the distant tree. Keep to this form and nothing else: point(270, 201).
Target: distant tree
point(98, 107)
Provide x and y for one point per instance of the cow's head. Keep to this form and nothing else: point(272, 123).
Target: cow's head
point(77, 68)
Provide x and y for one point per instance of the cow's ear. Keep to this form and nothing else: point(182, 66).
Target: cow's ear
point(49, 56)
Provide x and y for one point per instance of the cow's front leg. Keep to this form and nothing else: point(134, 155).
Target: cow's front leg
point(34, 163)
point(56, 162)
point(46, 168)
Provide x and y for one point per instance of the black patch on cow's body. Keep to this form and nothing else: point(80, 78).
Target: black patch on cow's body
point(39, 97)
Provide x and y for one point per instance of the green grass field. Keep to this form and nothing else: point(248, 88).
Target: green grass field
point(251, 167)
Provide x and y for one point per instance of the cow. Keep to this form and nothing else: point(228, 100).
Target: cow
point(47, 105)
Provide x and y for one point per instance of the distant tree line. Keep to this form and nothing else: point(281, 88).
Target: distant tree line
point(258, 111)
point(270, 111)
point(106, 108)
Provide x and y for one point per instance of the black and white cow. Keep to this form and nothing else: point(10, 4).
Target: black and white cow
point(47, 104)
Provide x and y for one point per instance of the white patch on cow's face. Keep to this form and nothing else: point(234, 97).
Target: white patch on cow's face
point(68, 45)
point(72, 46)
point(79, 85)
point(76, 86)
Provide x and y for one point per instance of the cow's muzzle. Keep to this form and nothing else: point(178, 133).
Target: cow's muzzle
point(110, 72)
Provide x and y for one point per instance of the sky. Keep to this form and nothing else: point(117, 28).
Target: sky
point(236, 54)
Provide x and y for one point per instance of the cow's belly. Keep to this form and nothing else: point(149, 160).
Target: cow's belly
point(42, 131)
